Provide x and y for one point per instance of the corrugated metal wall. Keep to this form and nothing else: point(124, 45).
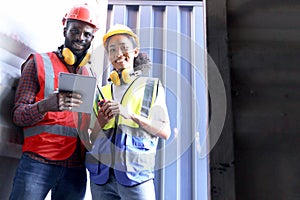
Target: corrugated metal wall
point(173, 34)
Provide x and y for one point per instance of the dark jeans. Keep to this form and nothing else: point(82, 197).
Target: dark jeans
point(33, 180)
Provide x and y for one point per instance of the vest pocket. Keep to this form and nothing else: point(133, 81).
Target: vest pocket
point(139, 154)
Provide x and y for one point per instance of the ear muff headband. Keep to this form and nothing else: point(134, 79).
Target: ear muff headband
point(70, 58)
point(115, 77)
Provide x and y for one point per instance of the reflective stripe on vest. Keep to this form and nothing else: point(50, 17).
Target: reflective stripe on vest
point(49, 75)
point(54, 129)
point(148, 99)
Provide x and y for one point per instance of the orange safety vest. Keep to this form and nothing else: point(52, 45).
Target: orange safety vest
point(55, 136)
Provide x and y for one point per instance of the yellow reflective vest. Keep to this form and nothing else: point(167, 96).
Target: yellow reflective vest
point(122, 146)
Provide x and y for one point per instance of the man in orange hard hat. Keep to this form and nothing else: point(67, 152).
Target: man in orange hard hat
point(53, 154)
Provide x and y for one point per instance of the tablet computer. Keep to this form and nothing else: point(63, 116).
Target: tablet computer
point(84, 85)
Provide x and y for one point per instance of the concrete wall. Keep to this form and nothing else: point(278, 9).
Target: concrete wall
point(264, 47)
point(256, 46)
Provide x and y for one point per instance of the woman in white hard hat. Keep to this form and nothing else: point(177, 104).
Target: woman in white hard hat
point(132, 116)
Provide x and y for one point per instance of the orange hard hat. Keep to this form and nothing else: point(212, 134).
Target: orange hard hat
point(81, 12)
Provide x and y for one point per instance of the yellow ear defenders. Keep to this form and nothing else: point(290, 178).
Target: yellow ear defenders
point(125, 76)
point(70, 58)
point(116, 77)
